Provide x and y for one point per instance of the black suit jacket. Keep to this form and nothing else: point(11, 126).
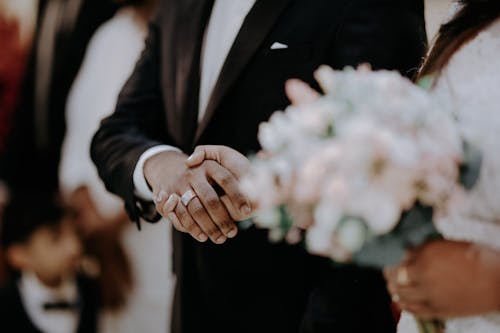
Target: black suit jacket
point(25, 165)
point(15, 317)
point(247, 284)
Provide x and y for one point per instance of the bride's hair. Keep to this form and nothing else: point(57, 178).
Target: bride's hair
point(472, 17)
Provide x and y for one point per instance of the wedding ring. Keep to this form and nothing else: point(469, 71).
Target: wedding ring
point(187, 197)
point(402, 277)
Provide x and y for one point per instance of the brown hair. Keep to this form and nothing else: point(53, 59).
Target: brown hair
point(470, 20)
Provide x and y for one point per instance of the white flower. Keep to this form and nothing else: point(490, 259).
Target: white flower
point(314, 172)
point(327, 216)
point(318, 241)
point(370, 148)
point(268, 218)
point(377, 208)
point(351, 235)
point(274, 135)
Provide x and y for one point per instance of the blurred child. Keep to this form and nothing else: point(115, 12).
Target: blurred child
point(43, 251)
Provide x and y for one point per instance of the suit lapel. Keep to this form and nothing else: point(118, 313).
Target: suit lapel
point(192, 18)
point(254, 30)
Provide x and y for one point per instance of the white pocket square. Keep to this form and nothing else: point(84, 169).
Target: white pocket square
point(278, 46)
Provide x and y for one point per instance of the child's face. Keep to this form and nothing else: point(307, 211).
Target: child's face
point(52, 252)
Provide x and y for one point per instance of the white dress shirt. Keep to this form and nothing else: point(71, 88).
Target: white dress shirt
point(34, 295)
point(225, 22)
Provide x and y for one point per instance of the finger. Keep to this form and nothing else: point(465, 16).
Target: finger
point(159, 200)
point(234, 212)
point(168, 212)
point(187, 222)
point(172, 218)
point(170, 204)
point(203, 220)
point(409, 294)
point(214, 207)
point(425, 311)
point(202, 153)
point(300, 93)
point(420, 310)
point(227, 181)
point(229, 158)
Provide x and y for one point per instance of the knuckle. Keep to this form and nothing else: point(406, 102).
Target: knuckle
point(213, 203)
point(197, 209)
point(159, 208)
point(191, 227)
point(226, 180)
point(182, 214)
point(240, 197)
point(213, 232)
point(227, 224)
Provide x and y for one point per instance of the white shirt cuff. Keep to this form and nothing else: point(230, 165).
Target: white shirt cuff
point(141, 186)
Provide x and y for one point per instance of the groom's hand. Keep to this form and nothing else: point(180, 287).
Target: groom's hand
point(201, 214)
point(231, 160)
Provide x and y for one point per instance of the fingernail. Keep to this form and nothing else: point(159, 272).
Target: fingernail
point(157, 198)
point(202, 238)
point(190, 158)
point(171, 199)
point(232, 233)
point(172, 217)
point(220, 240)
point(246, 209)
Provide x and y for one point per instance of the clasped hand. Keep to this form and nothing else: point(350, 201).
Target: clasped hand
point(200, 195)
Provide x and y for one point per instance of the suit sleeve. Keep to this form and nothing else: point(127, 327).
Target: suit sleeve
point(388, 34)
point(137, 124)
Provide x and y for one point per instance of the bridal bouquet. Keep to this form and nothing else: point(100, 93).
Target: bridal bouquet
point(359, 174)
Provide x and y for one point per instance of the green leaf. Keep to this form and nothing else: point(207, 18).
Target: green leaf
point(426, 82)
point(470, 169)
point(415, 228)
point(286, 219)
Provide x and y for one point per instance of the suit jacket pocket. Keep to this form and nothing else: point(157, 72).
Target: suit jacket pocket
point(292, 54)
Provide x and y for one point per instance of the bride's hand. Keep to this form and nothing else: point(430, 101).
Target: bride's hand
point(446, 279)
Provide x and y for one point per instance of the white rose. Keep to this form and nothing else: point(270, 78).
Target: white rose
point(351, 235)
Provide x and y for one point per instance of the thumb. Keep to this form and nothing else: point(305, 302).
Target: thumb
point(202, 153)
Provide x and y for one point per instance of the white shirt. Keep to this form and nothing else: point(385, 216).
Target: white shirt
point(34, 295)
point(225, 22)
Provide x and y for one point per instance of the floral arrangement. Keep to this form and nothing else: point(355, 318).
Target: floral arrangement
point(363, 169)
